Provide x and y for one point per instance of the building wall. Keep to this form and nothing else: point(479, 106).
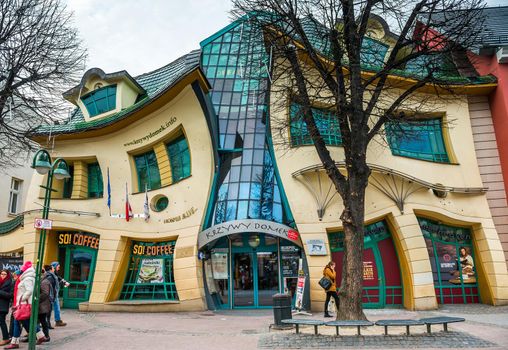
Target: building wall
point(23, 173)
point(113, 151)
point(490, 165)
point(470, 210)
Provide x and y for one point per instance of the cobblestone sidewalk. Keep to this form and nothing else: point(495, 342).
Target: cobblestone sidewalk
point(437, 340)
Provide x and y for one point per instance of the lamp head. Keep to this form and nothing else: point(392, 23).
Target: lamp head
point(254, 241)
point(62, 171)
point(41, 162)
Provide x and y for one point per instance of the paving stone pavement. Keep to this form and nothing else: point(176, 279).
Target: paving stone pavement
point(486, 327)
point(436, 340)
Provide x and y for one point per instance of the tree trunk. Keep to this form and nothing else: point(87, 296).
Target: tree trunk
point(350, 291)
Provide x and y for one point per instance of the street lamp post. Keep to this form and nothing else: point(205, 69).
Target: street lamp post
point(60, 170)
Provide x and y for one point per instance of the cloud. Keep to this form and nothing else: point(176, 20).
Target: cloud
point(140, 36)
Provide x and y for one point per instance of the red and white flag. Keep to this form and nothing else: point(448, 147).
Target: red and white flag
point(128, 209)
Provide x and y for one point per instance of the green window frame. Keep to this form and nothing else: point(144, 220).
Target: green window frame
point(161, 204)
point(179, 158)
point(326, 121)
point(95, 183)
point(421, 139)
point(165, 290)
point(148, 171)
point(100, 101)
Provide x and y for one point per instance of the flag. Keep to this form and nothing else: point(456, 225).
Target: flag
point(109, 194)
point(146, 207)
point(128, 209)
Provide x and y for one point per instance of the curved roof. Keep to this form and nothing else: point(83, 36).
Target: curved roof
point(153, 84)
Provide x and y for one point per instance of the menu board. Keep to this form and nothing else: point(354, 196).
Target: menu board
point(290, 264)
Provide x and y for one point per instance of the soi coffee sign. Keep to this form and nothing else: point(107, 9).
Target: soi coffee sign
point(248, 225)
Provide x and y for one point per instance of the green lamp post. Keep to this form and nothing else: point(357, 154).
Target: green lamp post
point(60, 170)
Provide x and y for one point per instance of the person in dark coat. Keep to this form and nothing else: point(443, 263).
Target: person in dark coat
point(46, 299)
point(6, 293)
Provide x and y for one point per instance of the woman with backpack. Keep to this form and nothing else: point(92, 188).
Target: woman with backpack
point(331, 292)
point(6, 289)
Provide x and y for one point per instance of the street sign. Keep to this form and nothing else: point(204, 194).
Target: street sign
point(43, 224)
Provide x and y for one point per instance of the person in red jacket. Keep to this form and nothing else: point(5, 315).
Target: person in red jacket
point(331, 292)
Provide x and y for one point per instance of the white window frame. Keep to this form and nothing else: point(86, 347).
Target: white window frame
point(14, 192)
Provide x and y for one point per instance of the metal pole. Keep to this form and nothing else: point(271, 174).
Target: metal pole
point(34, 316)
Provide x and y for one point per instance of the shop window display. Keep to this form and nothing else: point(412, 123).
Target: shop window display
point(452, 260)
point(150, 272)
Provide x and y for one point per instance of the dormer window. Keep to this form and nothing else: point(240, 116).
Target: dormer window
point(101, 100)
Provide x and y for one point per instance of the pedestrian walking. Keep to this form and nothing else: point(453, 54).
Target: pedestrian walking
point(56, 303)
point(15, 275)
point(6, 290)
point(46, 299)
point(331, 292)
point(23, 290)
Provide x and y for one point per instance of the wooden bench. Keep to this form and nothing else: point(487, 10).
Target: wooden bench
point(399, 323)
point(444, 320)
point(349, 323)
point(300, 322)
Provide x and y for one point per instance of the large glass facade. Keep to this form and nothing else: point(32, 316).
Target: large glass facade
point(236, 64)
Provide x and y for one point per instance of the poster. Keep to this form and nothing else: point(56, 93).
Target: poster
point(300, 286)
point(220, 265)
point(151, 271)
point(316, 247)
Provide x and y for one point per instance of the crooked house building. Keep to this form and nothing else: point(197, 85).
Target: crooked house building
point(231, 215)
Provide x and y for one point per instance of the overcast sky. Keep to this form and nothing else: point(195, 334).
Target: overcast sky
point(140, 36)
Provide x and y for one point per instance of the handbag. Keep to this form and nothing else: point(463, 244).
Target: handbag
point(325, 283)
point(23, 312)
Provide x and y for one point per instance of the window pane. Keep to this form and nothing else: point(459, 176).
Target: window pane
point(421, 140)
point(101, 100)
point(179, 158)
point(326, 122)
point(148, 171)
point(95, 183)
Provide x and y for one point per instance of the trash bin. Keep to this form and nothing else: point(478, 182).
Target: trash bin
point(281, 308)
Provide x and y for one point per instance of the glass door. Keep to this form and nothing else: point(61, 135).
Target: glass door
point(243, 275)
point(79, 271)
point(373, 283)
point(267, 277)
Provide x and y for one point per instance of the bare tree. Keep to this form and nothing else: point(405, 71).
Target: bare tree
point(40, 56)
point(322, 55)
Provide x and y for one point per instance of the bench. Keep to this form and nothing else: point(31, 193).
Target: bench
point(349, 323)
point(444, 320)
point(300, 322)
point(399, 323)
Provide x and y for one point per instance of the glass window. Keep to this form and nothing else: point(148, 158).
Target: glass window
point(100, 100)
point(68, 183)
point(452, 261)
point(150, 273)
point(179, 157)
point(326, 122)
point(148, 171)
point(422, 139)
point(95, 184)
point(14, 195)
point(161, 203)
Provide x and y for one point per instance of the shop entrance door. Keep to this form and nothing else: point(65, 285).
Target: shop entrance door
point(254, 270)
point(382, 283)
point(79, 271)
point(256, 279)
